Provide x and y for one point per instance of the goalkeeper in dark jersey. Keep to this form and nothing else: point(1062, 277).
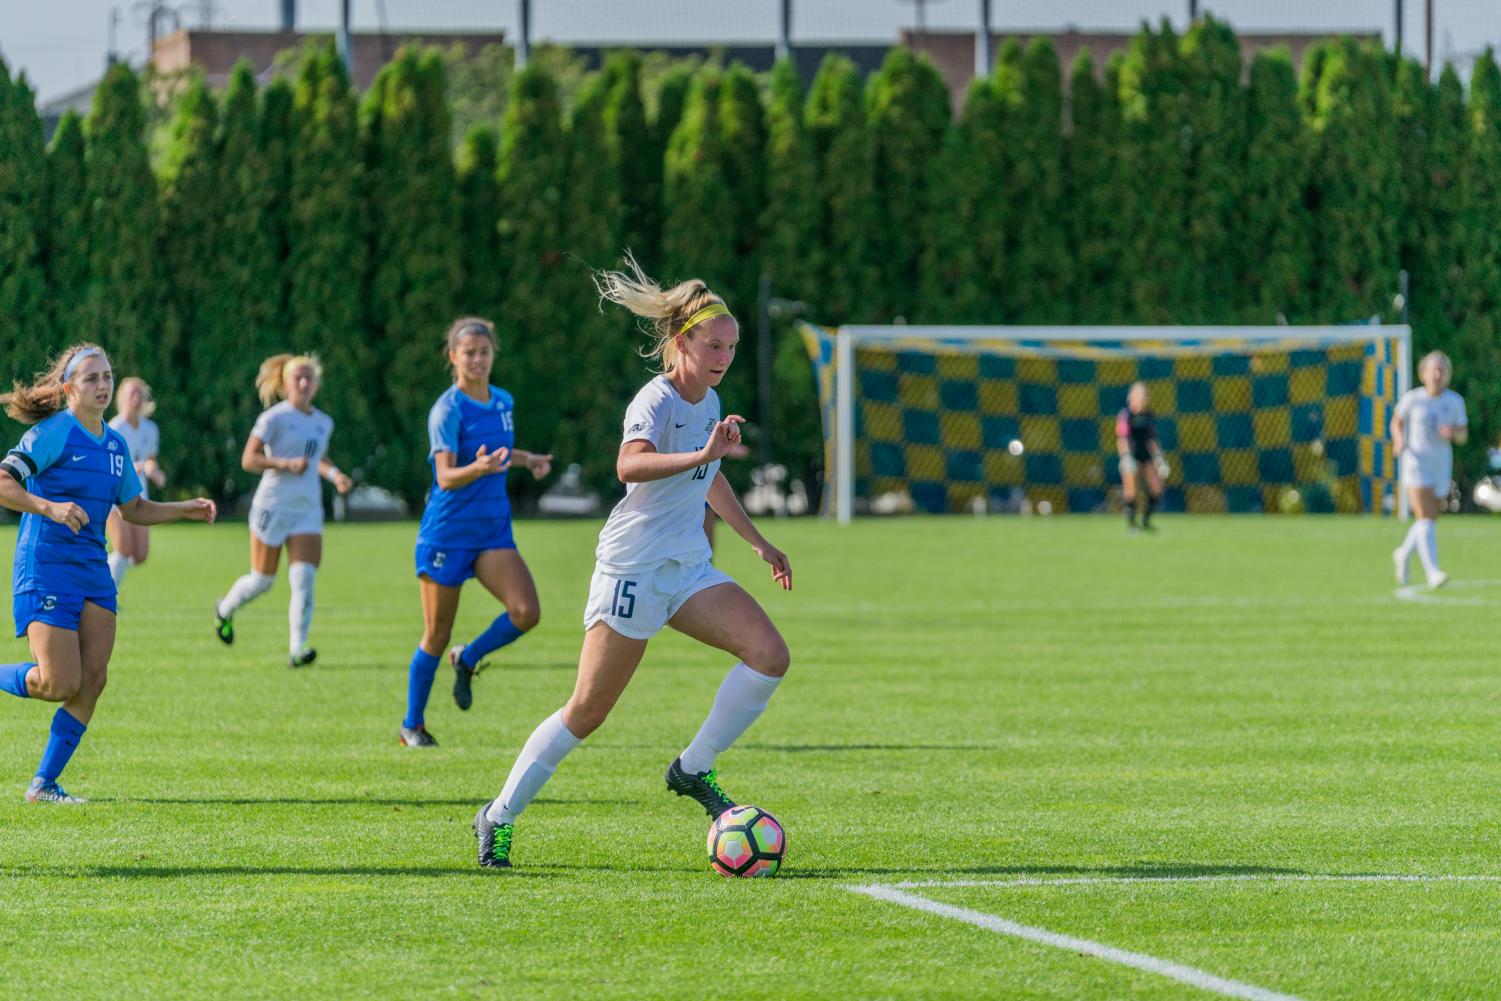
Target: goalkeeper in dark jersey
point(1140, 454)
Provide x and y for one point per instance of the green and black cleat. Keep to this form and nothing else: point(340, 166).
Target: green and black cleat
point(702, 788)
point(416, 736)
point(302, 659)
point(224, 628)
point(494, 840)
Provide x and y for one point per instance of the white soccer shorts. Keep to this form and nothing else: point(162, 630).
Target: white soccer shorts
point(638, 605)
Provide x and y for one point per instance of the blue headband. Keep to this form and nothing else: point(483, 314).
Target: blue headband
point(72, 365)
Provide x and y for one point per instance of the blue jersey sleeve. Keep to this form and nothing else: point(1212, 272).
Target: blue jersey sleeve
point(443, 423)
point(130, 480)
point(38, 448)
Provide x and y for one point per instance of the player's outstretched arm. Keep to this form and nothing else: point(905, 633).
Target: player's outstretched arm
point(539, 464)
point(335, 475)
point(16, 497)
point(139, 511)
point(725, 504)
point(640, 462)
point(486, 462)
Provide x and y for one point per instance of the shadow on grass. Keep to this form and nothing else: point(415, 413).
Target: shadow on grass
point(1164, 870)
point(470, 871)
point(816, 748)
point(496, 668)
point(472, 802)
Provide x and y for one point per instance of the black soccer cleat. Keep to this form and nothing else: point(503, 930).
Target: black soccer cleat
point(702, 788)
point(463, 678)
point(494, 841)
point(224, 629)
point(416, 736)
point(302, 659)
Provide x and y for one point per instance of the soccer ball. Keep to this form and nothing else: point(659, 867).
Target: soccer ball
point(746, 841)
point(1488, 494)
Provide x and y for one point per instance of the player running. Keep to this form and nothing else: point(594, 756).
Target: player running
point(133, 409)
point(1136, 442)
point(288, 446)
point(466, 525)
point(63, 476)
point(1428, 422)
point(653, 561)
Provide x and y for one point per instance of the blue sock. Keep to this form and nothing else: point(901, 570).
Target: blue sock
point(496, 635)
point(66, 733)
point(419, 686)
point(13, 678)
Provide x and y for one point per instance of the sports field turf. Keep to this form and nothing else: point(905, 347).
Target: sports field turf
point(985, 701)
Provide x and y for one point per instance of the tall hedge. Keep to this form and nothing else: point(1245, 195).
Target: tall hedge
point(1436, 258)
point(1217, 169)
point(635, 155)
point(698, 239)
point(1274, 224)
point(415, 246)
point(842, 260)
point(1354, 182)
point(789, 221)
point(1159, 278)
point(1477, 353)
point(24, 319)
point(537, 285)
point(1029, 89)
point(483, 257)
point(742, 141)
point(326, 262)
point(124, 301)
point(1089, 207)
point(909, 115)
point(276, 131)
point(65, 247)
point(193, 221)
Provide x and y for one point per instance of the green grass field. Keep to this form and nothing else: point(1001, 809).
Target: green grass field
point(992, 702)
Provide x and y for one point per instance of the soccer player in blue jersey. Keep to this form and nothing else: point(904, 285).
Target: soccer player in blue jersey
point(64, 476)
point(466, 525)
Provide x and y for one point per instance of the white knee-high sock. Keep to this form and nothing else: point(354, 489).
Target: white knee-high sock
point(545, 749)
point(1428, 546)
point(1410, 540)
point(741, 698)
point(300, 608)
point(118, 564)
point(247, 588)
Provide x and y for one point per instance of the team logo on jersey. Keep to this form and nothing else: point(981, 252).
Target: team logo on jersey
point(709, 425)
point(49, 602)
point(636, 428)
point(114, 446)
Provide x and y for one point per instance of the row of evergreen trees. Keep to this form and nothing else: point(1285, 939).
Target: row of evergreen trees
point(1173, 185)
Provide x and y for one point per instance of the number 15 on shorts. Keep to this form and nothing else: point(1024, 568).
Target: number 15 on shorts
point(625, 599)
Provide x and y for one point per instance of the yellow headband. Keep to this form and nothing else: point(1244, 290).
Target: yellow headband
point(707, 313)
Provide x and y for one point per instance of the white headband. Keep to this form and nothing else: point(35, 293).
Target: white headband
point(72, 365)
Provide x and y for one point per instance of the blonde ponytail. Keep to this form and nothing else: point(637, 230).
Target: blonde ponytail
point(666, 312)
point(271, 380)
point(28, 404)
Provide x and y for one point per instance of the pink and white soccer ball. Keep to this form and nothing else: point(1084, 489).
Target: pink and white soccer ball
point(746, 841)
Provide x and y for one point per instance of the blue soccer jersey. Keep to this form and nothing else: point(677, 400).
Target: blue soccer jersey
point(477, 516)
point(62, 461)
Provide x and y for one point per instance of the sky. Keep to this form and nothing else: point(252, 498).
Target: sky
point(61, 44)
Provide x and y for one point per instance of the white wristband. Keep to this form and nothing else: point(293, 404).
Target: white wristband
point(332, 474)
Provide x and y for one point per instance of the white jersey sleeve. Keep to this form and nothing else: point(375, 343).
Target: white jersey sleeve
point(648, 413)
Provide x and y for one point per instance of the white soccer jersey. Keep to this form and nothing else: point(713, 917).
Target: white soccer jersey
point(1423, 414)
point(288, 434)
point(143, 440)
point(664, 519)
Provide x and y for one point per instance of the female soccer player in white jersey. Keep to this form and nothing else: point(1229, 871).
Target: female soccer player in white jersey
point(133, 409)
point(653, 561)
point(66, 473)
point(466, 525)
point(288, 446)
point(1428, 422)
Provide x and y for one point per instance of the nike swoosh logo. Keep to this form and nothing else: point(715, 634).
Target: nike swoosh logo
point(76, 458)
point(680, 425)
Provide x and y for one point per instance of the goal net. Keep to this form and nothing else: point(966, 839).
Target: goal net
point(1250, 419)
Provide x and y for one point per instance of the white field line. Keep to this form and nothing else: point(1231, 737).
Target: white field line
point(1423, 595)
point(896, 893)
point(1136, 960)
point(1248, 877)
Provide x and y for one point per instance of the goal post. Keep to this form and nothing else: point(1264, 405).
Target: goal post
point(957, 418)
